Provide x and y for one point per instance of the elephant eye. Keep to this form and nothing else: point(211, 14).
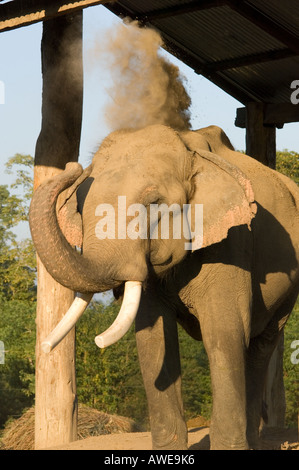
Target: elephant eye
point(158, 200)
point(152, 197)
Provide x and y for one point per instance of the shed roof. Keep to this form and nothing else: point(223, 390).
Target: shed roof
point(249, 48)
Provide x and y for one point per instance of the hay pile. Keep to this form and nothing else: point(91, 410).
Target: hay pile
point(19, 434)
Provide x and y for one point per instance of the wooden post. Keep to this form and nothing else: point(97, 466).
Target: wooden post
point(260, 139)
point(261, 144)
point(57, 144)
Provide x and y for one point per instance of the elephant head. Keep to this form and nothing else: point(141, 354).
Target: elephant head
point(96, 210)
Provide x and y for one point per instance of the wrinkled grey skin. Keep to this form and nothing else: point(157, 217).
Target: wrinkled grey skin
point(235, 293)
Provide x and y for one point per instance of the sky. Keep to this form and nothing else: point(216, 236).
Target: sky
point(20, 76)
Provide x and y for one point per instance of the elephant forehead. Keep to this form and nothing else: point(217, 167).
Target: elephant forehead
point(148, 147)
point(132, 175)
point(120, 174)
point(107, 187)
point(147, 136)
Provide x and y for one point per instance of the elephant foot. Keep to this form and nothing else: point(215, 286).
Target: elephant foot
point(170, 441)
point(229, 446)
point(174, 445)
point(254, 441)
point(219, 442)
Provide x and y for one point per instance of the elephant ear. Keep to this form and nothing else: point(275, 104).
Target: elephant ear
point(226, 195)
point(69, 218)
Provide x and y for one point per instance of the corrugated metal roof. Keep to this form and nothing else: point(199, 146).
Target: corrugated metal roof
point(213, 39)
point(248, 48)
point(283, 12)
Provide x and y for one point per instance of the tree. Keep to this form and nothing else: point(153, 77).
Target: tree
point(17, 258)
point(288, 164)
point(291, 366)
point(17, 294)
point(196, 381)
point(17, 331)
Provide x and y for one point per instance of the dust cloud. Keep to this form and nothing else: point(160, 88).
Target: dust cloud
point(145, 87)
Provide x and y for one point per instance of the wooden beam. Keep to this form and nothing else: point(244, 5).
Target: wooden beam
point(57, 144)
point(22, 13)
point(240, 120)
point(264, 22)
point(279, 114)
point(245, 61)
point(180, 9)
point(274, 115)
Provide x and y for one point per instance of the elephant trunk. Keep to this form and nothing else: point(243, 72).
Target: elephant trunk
point(63, 262)
point(73, 270)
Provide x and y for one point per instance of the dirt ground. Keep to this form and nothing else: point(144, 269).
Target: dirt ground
point(275, 439)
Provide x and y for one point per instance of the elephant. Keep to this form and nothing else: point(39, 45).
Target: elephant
point(233, 287)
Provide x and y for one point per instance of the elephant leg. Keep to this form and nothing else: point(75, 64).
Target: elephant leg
point(258, 357)
point(224, 318)
point(158, 351)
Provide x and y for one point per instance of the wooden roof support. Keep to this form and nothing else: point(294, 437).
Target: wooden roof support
point(260, 139)
point(181, 9)
point(274, 114)
point(244, 61)
point(279, 114)
point(57, 144)
point(22, 13)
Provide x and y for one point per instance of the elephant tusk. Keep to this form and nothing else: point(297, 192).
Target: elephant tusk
point(125, 317)
point(68, 322)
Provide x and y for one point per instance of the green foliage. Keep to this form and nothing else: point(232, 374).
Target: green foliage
point(17, 295)
point(17, 258)
point(288, 164)
point(18, 271)
point(17, 331)
point(291, 370)
point(21, 166)
point(196, 381)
